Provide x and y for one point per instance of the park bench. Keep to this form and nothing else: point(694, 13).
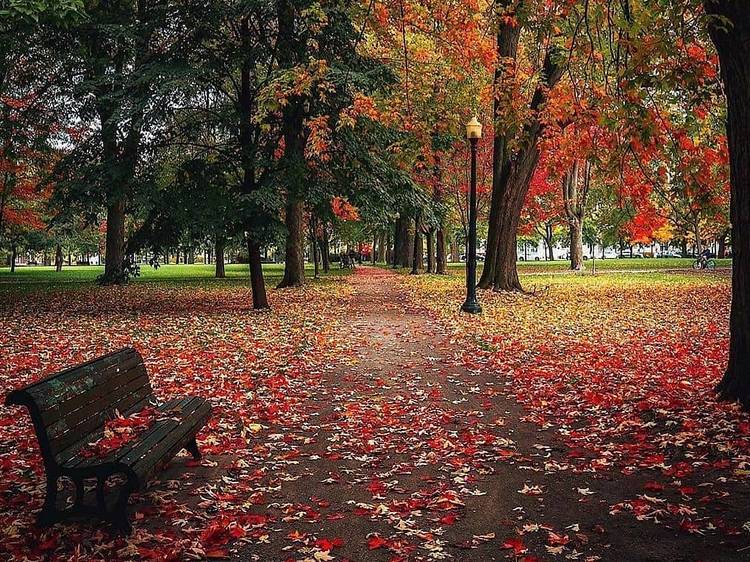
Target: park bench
point(69, 410)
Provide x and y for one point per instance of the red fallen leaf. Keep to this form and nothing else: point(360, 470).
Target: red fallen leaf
point(689, 526)
point(554, 539)
point(329, 544)
point(49, 544)
point(375, 542)
point(530, 559)
point(376, 487)
point(217, 553)
point(449, 519)
point(688, 490)
point(237, 531)
point(515, 544)
point(653, 486)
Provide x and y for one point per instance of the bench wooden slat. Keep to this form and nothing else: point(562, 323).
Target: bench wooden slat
point(85, 462)
point(57, 389)
point(134, 381)
point(94, 424)
point(165, 433)
point(166, 449)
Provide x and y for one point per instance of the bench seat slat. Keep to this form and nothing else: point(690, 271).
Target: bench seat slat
point(167, 448)
point(95, 424)
point(79, 462)
point(166, 432)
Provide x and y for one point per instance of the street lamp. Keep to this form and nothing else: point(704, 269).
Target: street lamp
point(473, 133)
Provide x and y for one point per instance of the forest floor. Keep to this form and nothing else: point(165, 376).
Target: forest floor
point(365, 418)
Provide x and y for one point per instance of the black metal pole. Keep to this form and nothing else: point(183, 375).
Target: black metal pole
point(471, 305)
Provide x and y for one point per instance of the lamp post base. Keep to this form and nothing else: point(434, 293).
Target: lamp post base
point(471, 306)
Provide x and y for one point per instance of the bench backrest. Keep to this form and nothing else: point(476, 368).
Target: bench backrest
point(72, 404)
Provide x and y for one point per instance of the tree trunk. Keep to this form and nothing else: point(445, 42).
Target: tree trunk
point(382, 250)
point(324, 250)
point(454, 250)
point(314, 246)
point(293, 160)
point(58, 258)
point(257, 283)
point(698, 241)
point(574, 200)
point(115, 244)
point(404, 243)
point(732, 39)
point(294, 265)
point(219, 252)
point(441, 261)
point(576, 245)
point(417, 255)
point(511, 177)
point(248, 182)
point(431, 251)
point(13, 257)
point(507, 52)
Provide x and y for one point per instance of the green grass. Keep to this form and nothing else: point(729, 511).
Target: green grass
point(625, 264)
point(169, 274)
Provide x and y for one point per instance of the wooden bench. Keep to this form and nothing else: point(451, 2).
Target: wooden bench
point(69, 410)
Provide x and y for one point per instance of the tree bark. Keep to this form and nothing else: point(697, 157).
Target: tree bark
point(731, 42)
point(324, 250)
point(249, 182)
point(507, 52)
point(511, 177)
point(576, 245)
point(404, 243)
point(431, 251)
point(257, 284)
point(219, 252)
point(441, 261)
point(115, 243)
point(294, 264)
point(417, 255)
point(293, 160)
point(575, 192)
point(314, 246)
point(13, 257)
point(58, 258)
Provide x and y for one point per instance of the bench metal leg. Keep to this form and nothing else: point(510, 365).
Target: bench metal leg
point(192, 448)
point(119, 514)
point(80, 492)
point(101, 482)
point(49, 515)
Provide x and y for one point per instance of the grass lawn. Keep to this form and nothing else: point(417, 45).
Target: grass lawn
point(170, 274)
point(625, 264)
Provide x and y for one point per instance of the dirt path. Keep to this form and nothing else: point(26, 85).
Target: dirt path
point(411, 451)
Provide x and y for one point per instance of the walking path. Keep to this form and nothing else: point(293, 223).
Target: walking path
point(413, 451)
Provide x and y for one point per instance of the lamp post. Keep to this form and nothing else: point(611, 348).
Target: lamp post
point(473, 133)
